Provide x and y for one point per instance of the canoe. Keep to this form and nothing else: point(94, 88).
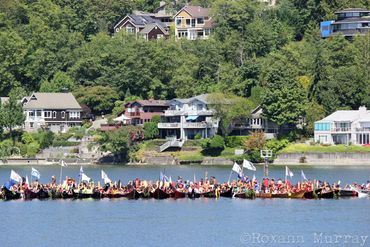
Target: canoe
point(145, 194)
point(227, 193)
point(43, 194)
point(55, 194)
point(210, 194)
point(263, 195)
point(326, 194)
point(159, 194)
point(83, 194)
point(295, 195)
point(11, 195)
point(114, 195)
point(178, 194)
point(68, 194)
point(193, 194)
point(245, 195)
point(347, 193)
point(311, 194)
point(96, 194)
point(30, 194)
point(132, 194)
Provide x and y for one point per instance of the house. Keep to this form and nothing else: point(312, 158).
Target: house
point(257, 122)
point(349, 22)
point(140, 111)
point(145, 25)
point(344, 127)
point(193, 22)
point(186, 118)
point(54, 111)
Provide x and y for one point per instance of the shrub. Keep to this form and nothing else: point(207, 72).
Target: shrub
point(255, 141)
point(213, 146)
point(276, 145)
point(32, 149)
point(198, 136)
point(44, 138)
point(235, 141)
point(27, 138)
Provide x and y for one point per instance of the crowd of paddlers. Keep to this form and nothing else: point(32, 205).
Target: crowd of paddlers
point(209, 188)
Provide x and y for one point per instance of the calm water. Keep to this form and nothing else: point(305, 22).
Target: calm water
point(184, 222)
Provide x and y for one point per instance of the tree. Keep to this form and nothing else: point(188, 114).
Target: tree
point(213, 146)
point(255, 141)
point(60, 82)
point(229, 109)
point(11, 116)
point(314, 112)
point(151, 130)
point(99, 99)
point(284, 98)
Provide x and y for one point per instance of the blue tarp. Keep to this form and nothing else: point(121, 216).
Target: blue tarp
point(191, 117)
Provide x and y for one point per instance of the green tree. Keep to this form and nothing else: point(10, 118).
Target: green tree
point(151, 130)
point(60, 82)
point(213, 146)
point(11, 116)
point(98, 98)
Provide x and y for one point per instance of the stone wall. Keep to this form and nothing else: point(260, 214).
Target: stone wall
point(358, 158)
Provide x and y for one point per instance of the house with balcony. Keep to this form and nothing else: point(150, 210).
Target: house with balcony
point(140, 111)
point(187, 118)
point(349, 22)
point(257, 122)
point(54, 111)
point(344, 127)
point(193, 22)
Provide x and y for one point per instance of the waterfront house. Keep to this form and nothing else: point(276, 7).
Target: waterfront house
point(193, 22)
point(138, 112)
point(349, 22)
point(187, 118)
point(344, 127)
point(256, 122)
point(54, 111)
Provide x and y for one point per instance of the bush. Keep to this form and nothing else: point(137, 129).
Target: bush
point(276, 145)
point(32, 149)
point(198, 136)
point(213, 146)
point(235, 141)
point(58, 143)
point(255, 141)
point(44, 138)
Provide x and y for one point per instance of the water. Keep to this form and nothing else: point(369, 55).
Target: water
point(185, 222)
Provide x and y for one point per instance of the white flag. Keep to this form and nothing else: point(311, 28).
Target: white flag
point(15, 176)
point(81, 170)
point(247, 164)
point(288, 172)
point(105, 177)
point(85, 178)
point(35, 173)
point(237, 169)
point(63, 163)
point(303, 175)
point(27, 180)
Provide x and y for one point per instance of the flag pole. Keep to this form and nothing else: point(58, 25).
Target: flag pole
point(228, 181)
point(61, 171)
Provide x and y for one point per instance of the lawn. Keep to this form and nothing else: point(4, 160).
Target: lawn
point(303, 148)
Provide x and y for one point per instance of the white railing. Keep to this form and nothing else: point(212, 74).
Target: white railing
point(344, 129)
point(195, 125)
point(168, 125)
point(173, 112)
point(363, 129)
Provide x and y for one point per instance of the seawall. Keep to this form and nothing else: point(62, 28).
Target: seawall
point(354, 158)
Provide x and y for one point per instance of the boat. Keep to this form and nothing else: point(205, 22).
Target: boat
point(96, 194)
point(54, 194)
point(30, 194)
point(347, 193)
point(263, 195)
point(11, 195)
point(43, 194)
point(192, 194)
point(83, 194)
point(227, 193)
point(68, 194)
point(326, 194)
point(178, 194)
point(210, 194)
point(131, 194)
point(247, 194)
point(295, 195)
point(159, 194)
point(114, 194)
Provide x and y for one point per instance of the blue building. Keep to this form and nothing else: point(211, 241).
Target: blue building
point(349, 22)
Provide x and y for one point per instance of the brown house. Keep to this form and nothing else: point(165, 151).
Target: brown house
point(142, 25)
point(141, 111)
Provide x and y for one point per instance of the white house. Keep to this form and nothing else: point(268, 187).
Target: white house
point(344, 127)
point(186, 118)
point(54, 111)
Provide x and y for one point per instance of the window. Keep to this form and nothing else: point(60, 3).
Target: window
point(38, 113)
point(47, 114)
point(187, 22)
point(63, 114)
point(31, 114)
point(178, 21)
point(54, 114)
point(193, 22)
point(207, 32)
point(183, 34)
point(31, 125)
point(200, 21)
point(129, 29)
point(74, 114)
point(160, 36)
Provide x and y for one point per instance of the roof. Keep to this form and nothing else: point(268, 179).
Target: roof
point(141, 20)
point(347, 115)
point(201, 97)
point(352, 20)
point(52, 101)
point(151, 26)
point(352, 10)
point(195, 11)
point(149, 102)
point(209, 24)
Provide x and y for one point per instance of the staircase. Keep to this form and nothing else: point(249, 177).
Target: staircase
point(171, 144)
